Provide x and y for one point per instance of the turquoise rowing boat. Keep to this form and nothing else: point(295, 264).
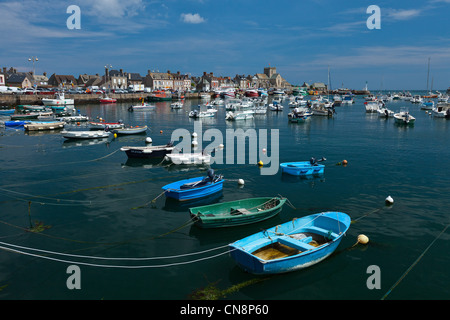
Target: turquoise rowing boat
point(238, 212)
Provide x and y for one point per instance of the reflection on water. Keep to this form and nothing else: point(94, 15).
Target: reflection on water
point(88, 191)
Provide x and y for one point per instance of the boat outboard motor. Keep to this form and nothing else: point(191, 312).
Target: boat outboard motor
point(210, 174)
point(313, 161)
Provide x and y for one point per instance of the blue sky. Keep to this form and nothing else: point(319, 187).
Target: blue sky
point(228, 37)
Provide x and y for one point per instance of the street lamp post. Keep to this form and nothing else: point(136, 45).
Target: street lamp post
point(34, 59)
point(107, 78)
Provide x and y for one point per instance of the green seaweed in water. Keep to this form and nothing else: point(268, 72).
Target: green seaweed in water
point(38, 227)
point(211, 292)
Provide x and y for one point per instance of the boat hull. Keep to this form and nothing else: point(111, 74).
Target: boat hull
point(175, 191)
point(44, 126)
point(135, 130)
point(302, 168)
point(147, 152)
point(305, 242)
point(85, 134)
point(235, 213)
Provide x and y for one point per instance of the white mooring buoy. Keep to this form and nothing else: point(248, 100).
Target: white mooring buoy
point(389, 200)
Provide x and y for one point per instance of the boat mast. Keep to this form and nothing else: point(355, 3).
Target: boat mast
point(428, 75)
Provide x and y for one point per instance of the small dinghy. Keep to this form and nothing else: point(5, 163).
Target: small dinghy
point(16, 123)
point(148, 151)
point(104, 125)
point(130, 130)
point(194, 188)
point(291, 246)
point(143, 106)
point(85, 134)
point(41, 126)
point(235, 213)
point(7, 112)
point(188, 158)
point(303, 168)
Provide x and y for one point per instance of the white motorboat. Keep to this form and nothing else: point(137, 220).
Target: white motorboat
point(59, 100)
point(232, 103)
point(176, 105)
point(416, 99)
point(322, 109)
point(240, 114)
point(384, 112)
point(427, 105)
point(85, 134)
point(188, 158)
point(372, 106)
point(403, 117)
point(347, 100)
point(143, 106)
point(202, 114)
point(442, 110)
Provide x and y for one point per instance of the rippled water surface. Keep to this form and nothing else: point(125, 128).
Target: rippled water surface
point(95, 202)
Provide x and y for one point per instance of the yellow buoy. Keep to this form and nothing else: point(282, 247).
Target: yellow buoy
point(363, 239)
point(260, 163)
point(115, 135)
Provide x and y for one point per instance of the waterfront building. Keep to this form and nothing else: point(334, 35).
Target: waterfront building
point(20, 80)
point(158, 80)
point(181, 82)
point(116, 79)
point(62, 81)
point(241, 81)
point(83, 79)
point(40, 80)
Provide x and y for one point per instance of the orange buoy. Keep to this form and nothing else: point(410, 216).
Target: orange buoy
point(344, 162)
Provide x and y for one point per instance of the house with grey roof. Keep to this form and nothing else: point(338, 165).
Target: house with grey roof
point(20, 80)
point(63, 81)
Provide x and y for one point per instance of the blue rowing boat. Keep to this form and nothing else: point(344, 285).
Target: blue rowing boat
point(16, 123)
point(194, 188)
point(291, 246)
point(303, 168)
point(6, 112)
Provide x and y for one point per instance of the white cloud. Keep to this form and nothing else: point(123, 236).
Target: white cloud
point(192, 18)
point(399, 14)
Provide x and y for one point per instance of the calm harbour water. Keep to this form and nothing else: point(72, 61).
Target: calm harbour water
point(97, 203)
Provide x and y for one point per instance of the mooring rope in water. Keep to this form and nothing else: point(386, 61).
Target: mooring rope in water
point(61, 202)
point(117, 266)
point(60, 163)
point(185, 224)
point(414, 263)
point(365, 215)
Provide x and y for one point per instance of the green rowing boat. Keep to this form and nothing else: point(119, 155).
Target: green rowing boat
point(234, 213)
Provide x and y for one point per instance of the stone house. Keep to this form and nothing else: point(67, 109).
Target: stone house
point(63, 81)
point(20, 80)
point(181, 82)
point(158, 80)
point(83, 79)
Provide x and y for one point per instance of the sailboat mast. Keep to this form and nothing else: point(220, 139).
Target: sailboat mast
point(428, 75)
